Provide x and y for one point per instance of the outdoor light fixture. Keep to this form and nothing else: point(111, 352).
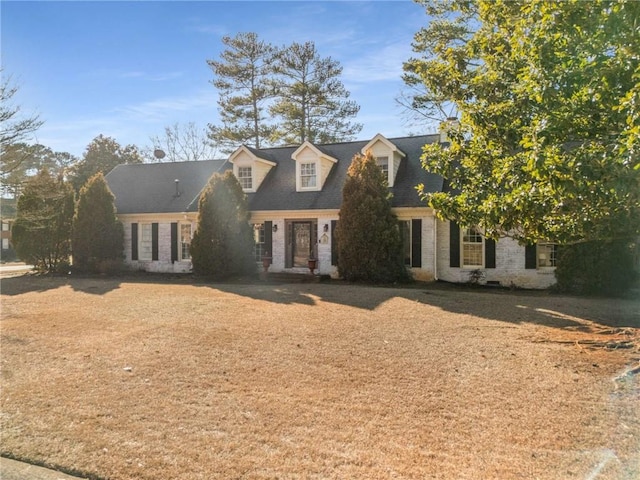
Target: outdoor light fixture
point(275, 228)
point(325, 229)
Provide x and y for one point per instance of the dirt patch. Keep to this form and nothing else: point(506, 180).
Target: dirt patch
point(146, 380)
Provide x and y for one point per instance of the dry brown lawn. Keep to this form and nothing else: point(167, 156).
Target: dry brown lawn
point(138, 378)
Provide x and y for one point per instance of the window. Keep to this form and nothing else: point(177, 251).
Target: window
point(472, 253)
point(258, 239)
point(5, 244)
point(185, 241)
point(546, 255)
point(405, 232)
point(245, 178)
point(307, 175)
point(5, 226)
point(145, 246)
point(383, 163)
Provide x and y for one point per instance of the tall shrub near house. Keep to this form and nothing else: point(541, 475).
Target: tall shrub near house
point(97, 240)
point(368, 235)
point(222, 245)
point(599, 267)
point(42, 231)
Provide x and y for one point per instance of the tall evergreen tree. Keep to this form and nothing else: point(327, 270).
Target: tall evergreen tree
point(243, 76)
point(368, 234)
point(42, 231)
point(101, 155)
point(97, 236)
point(312, 101)
point(222, 245)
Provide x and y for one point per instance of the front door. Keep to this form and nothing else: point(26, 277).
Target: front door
point(301, 243)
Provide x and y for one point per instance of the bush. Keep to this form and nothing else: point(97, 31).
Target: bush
point(600, 268)
point(98, 236)
point(368, 234)
point(222, 245)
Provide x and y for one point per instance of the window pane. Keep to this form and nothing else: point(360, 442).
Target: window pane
point(185, 241)
point(244, 177)
point(472, 248)
point(258, 238)
point(144, 249)
point(547, 254)
point(383, 163)
point(308, 175)
point(405, 231)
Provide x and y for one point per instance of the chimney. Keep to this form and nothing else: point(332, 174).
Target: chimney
point(450, 124)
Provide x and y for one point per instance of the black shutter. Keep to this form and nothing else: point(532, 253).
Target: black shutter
point(154, 241)
point(454, 244)
point(530, 256)
point(489, 253)
point(174, 242)
point(268, 238)
point(134, 241)
point(416, 242)
point(334, 243)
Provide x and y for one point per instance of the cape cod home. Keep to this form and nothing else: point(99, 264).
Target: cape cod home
point(294, 196)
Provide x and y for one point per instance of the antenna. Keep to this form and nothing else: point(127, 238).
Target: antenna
point(159, 153)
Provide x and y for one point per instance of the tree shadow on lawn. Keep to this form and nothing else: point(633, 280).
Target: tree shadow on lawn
point(21, 284)
point(538, 307)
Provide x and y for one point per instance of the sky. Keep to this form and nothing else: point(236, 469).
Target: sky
point(129, 69)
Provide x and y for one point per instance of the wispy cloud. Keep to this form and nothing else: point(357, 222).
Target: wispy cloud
point(381, 64)
point(164, 108)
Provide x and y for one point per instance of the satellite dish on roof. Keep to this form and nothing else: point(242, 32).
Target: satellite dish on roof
point(159, 154)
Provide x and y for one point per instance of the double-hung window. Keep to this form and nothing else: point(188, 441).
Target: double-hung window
point(308, 177)
point(185, 241)
point(405, 232)
point(258, 239)
point(472, 248)
point(245, 178)
point(383, 163)
point(546, 255)
point(145, 243)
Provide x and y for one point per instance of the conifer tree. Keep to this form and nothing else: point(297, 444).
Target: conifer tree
point(42, 231)
point(311, 100)
point(243, 76)
point(98, 237)
point(222, 245)
point(368, 234)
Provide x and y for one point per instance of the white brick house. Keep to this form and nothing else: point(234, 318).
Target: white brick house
point(294, 196)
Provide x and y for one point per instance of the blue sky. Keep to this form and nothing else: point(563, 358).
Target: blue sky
point(128, 69)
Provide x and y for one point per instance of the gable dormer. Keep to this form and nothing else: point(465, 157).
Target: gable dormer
point(250, 168)
point(312, 167)
point(387, 156)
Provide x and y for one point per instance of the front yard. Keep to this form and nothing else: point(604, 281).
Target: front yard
point(135, 379)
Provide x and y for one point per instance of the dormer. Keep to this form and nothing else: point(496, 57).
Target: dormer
point(250, 167)
point(312, 167)
point(387, 156)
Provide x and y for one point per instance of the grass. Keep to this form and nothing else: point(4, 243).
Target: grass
point(125, 379)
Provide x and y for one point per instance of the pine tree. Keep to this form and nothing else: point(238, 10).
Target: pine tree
point(368, 234)
point(98, 237)
point(222, 245)
point(243, 76)
point(42, 231)
point(312, 101)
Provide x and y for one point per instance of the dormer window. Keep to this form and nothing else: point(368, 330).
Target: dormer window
point(245, 178)
point(387, 155)
point(250, 167)
point(308, 175)
point(313, 165)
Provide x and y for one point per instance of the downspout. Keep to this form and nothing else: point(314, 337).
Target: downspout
point(435, 247)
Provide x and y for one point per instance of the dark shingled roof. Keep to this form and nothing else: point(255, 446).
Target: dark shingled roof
point(150, 188)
